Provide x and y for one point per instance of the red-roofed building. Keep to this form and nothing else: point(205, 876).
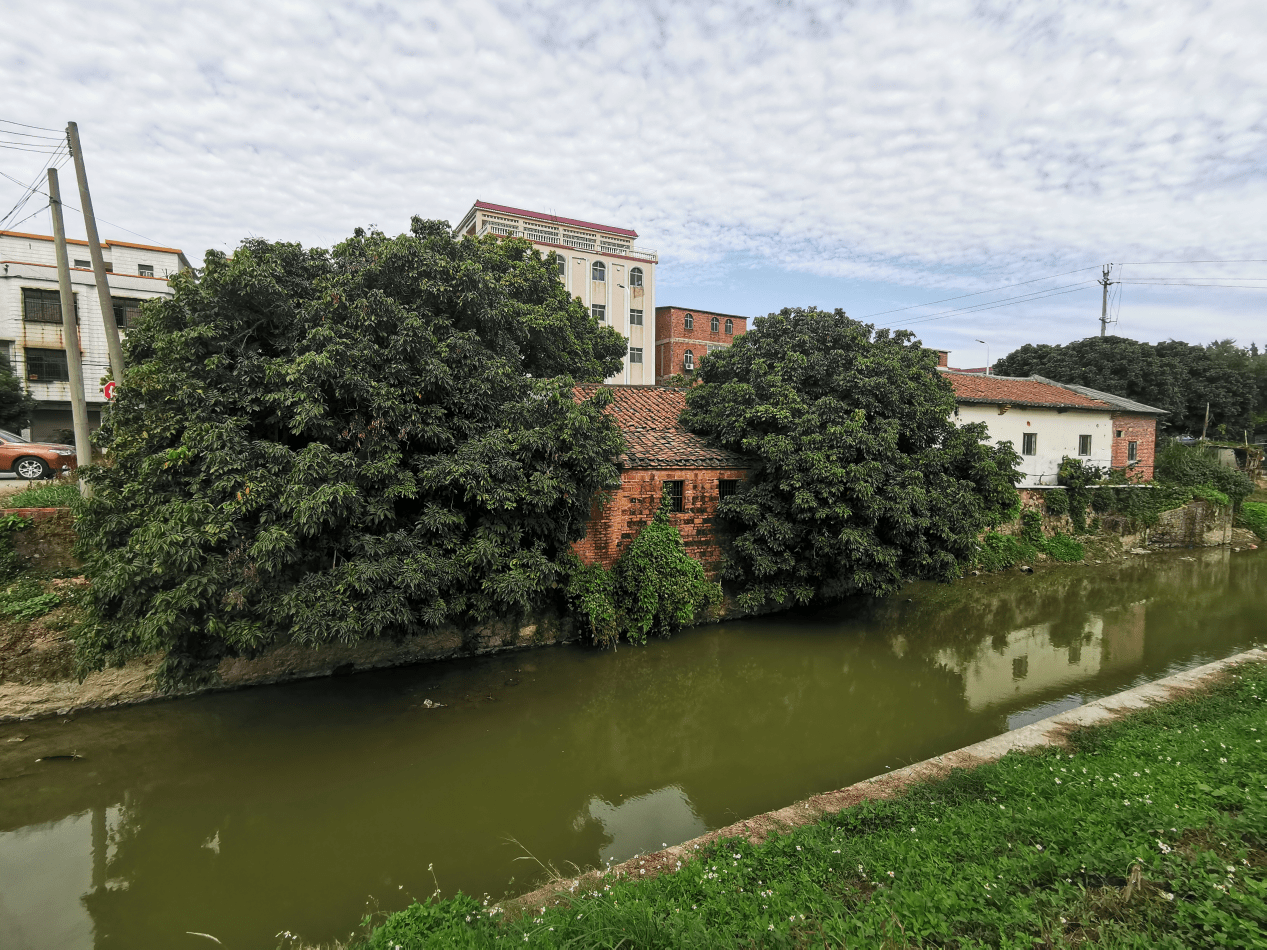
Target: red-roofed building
point(598, 264)
point(1047, 421)
point(660, 452)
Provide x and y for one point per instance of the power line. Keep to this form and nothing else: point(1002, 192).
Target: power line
point(977, 294)
point(25, 126)
point(1248, 260)
point(1149, 283)
point(32, 135)
point(990, 305)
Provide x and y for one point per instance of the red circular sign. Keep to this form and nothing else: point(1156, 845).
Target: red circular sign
point(110, 388)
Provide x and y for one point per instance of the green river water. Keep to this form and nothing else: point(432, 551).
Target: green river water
point(300, 807)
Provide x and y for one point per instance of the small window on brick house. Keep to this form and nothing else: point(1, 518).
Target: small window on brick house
point(730, 326)
point(1119, 433)
point(1132, 451)
point(688, 361)
point(1084, 445)
point(726, 487)
point(674, 491)
point(1029, 443)
point(688, 322)
point(715, 325)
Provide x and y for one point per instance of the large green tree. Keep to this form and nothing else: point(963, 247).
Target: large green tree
point(324, 446)
point(1181, 378)
point(16, 404)
point(862, 478)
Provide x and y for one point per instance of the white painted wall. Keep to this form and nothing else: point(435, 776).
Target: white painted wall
point(1057, 431)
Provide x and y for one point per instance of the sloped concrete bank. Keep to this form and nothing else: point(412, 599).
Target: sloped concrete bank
point(1052, 731)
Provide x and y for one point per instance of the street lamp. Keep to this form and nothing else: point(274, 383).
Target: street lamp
point(987, 356)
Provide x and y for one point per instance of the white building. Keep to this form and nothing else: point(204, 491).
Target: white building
point(597, 263)
point(31, 335)
point(1047, 422)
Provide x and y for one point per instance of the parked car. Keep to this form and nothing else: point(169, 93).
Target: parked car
point(33, 459)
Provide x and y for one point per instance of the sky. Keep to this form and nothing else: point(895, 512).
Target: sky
point(877, 157)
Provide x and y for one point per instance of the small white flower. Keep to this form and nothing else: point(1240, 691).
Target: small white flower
point(890, 874)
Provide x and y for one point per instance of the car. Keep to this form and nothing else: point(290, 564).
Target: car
point(28, 459)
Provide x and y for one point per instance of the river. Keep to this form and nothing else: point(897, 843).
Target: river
point(302, 807)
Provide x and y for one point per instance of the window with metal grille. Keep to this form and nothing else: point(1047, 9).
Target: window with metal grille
point(598, 271)
point(730, 326)
point(44, 306)
point(6, 355)
point(1132, 451)
point(145, 270)
point(46, 366)
point(600, 312)
point(676, 497)
point(635, 354)
point(715, 325)
point(689, 322)
point(726, 487)
point(635, 277)
point(126, 311)
point(1084, 445)
point(635, 318)
point(1029, 443)
point(688, 360)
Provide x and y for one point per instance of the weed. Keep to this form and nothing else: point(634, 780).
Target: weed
point(53, 495)
point(1254, 517)
point(27, 600)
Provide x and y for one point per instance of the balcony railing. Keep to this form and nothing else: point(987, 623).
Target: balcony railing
point(580, 242)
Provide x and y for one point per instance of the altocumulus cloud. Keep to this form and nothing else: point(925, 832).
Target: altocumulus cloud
point(894, 142)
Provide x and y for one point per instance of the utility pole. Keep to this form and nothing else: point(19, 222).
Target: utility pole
point(1206, 425)
point(113, 343)
point(74, 368)
point(1104, 282)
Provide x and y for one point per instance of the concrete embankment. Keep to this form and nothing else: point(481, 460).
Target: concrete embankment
point(1049, 732)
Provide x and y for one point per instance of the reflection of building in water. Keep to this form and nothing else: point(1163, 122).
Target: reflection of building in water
point(1026, 662)
point(643, 824)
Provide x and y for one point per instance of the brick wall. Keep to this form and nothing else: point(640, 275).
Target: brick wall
point(1141, 430)
point(617, 518)
point(673, 339)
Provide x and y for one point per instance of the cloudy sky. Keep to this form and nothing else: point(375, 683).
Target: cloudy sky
point(870, 156)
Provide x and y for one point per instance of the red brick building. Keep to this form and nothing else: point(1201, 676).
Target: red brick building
point(683, 335)
point(660, 452)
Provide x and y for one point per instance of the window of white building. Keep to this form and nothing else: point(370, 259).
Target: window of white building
point(635, 277)
point(598, 271)
point(635, 318)
point(1084, 445)
point(600, 312)
point(1029, 443)
point(635, 354)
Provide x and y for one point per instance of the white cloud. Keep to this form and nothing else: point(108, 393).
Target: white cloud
point(909, 143)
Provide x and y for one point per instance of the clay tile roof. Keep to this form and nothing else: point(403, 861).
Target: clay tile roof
point(1020, 391)
point(1117, 402)
point(648, 419)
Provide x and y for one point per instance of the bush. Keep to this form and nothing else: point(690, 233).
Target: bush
point(655, 587)
point(1103, 500)
point(1056, 501)
point(998, 552)
point(1077, 477)
point(1179, 464)
point(1254, 517)
point(27, 600)
point(1061, 547)
point(1212, 495)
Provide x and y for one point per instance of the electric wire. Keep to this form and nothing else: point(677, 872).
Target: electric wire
point(932, 303)
point(32, 188)
point(26, 126)
point(993, 304)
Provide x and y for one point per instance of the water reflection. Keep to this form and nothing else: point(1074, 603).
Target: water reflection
point(244, 814)
point(644, 823)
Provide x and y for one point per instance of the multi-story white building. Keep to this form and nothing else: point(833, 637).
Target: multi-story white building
point(598, 264)
point(32, 341)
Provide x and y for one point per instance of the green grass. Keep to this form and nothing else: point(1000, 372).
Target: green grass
point(26, 600)
point(1254, 516)
point(54, 495)
point(1001, 551)
point(1148, 833)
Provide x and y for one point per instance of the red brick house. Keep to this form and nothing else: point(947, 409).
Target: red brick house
point(660, 452)
point(683, 335)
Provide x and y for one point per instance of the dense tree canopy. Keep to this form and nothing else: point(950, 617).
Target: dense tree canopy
point(333, 445)
point(1178, 377)
point(16, 404)
point(862, 478)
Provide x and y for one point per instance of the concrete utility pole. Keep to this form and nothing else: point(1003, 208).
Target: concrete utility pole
point(113, 343)
point(74, 368)
point(1104, 299)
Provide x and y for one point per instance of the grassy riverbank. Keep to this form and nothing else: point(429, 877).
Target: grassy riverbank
point(1151, 832)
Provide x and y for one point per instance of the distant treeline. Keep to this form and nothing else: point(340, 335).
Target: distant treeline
point(1178, 377)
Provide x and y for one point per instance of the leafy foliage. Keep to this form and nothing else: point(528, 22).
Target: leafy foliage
point(51, 495)
point(1077, 477)
point(11, 563)
point(16, 404)
point(1254, 517)
point(1056, 501)
point(655, 587)
point(27, 600)
point(861, 478)
point(330, 445)
point(1178, 377)
point(1179, 464)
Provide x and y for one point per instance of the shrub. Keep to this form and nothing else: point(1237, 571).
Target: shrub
point(1212, 495)
point(1103, 500)
point(998, 552)
point(1254, 517)
point(1061, 547)
point(1056, 501)
point(591, 600)
point(27, 600)
point(1031, 525)
point(1077, 477)
point(1179, 464)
